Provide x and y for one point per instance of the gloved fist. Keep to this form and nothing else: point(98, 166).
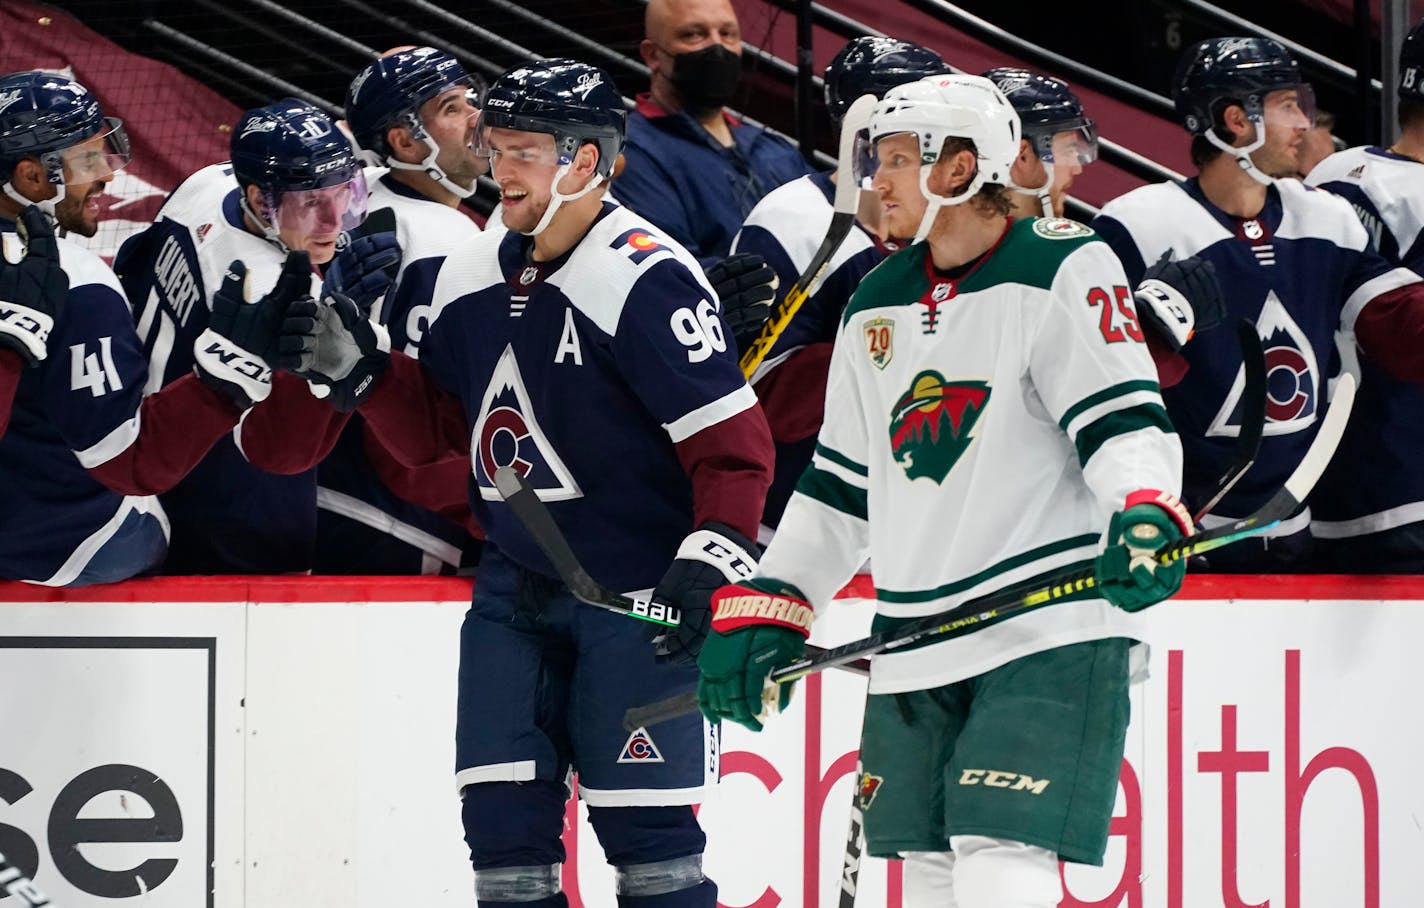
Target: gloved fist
point(33, 290)
point(364, 270)
point(235, 352)
point(1179, 298)
point(712, 556)
point(1128, 575)
point(757, 627)
point(746, 286)
point(339, 350)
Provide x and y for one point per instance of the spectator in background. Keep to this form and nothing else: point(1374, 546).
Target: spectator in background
point(85, 450)
point(1318, 143)
point(1377, 526)
point(785, 228)
point(1059, 140)
point(1295, 261)
point(413, 111)
point(692, 169)
point(293, 186)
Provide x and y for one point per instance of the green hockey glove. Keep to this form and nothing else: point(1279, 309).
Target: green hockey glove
point(757, 627)
point(1128, 575)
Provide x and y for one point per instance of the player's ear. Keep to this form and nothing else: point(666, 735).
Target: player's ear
point(31, 181)
point(1238, 125)
point(586, 160)
point(403, 144)
point(1026, 153)
point(254, 198)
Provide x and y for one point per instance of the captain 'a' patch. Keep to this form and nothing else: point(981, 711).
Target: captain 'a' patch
point(639, 748)
point(932, 423)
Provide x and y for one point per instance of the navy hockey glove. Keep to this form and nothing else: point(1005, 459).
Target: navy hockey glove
point(1178, 299)
point(746, 286)
point(712, 556)
point(1127, 574)
point(364, 270)
point(339, 350)
point(33, 290)
point(235, 353)
point(757, 627)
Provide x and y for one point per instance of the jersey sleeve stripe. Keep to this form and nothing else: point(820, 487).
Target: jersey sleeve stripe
point(834, 492)
point(1120, 422)
point(111, 445)
point(707, 415)
point(1390, 280)
point(990, 572)
point(840, 459)
point(1099, 398)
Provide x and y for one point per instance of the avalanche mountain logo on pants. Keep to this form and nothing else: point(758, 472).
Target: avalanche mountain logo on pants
point(932, 423)
point(639, 748)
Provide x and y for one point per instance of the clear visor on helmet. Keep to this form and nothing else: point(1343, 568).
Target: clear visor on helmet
point(1079, 144)
point(98, 157)
point(1292, 108)
point(329, 210)
point(889, 154)
point(516, 146)
point(471, 94)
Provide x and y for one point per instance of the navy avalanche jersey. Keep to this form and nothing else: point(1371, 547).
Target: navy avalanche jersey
point(1385, 437)
point(76, 409)
point(228, 516)
point(583, 373)
point(1301, 270)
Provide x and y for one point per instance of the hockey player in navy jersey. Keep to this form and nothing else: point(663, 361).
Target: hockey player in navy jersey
point(785, 228)
point(412, 111)
point(585, 349)
point(994, 409)
point(1377, 526)
point(85, 451)
point(292, 187)
point(1059, 140)
point(1295, 261)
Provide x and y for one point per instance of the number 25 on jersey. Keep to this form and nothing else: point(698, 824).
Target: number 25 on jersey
point(1117, 318)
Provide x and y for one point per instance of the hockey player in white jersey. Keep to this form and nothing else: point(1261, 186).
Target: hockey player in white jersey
point(991, 408)
point(1293, 260)
point(413, 111)
point(1378, 526)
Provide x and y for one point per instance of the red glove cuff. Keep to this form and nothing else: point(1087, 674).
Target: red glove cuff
point(1166, 502)
point(736, 606)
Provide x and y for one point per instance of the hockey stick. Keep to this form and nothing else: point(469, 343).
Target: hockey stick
point(968, 617)
point(14, 882)
point(530, 511)
point(847, 198)
point(1253, 415)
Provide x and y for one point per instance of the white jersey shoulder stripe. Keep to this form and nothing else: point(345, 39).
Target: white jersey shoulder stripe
point(709, 414)
point(797, 215)
point(1163, 216)
point(1390, 183)
point(1314, 214)
point(1390, 280)
point(84, 268)
point(472, 267)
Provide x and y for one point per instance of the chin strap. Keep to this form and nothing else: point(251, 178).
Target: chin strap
point(557, 198)
point(432, 170)
point(47, 206)
point(1242, 154)
point(937, 201)
point(1045, 201)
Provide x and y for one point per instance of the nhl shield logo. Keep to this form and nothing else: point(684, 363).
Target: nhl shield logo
point(529, 275)
point(932, 424)
point(639, 748)
point(880, 341)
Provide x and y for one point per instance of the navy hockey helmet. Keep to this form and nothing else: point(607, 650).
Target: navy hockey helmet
point(43, 113)
point(1218, 72)
point(391, 91)
point(872, 65)
point(1411, 65)
point(574, 102)
point(290, 146)
point(1046, 107)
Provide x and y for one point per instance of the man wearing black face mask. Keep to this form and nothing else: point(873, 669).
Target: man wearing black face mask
point(692, 169)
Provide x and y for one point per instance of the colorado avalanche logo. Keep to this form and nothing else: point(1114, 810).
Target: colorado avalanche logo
point(1292, 377)
point(932, 424)
point(507, 434)
point(640, 748)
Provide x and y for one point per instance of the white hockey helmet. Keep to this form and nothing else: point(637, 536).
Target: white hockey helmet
point(954, 105)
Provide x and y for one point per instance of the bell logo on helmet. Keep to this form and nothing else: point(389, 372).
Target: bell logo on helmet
point(356, 83)
point(256, 125)
point(7, 98)
point(587, 82)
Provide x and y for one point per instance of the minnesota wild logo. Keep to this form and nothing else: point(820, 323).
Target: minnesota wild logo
point(933, 423)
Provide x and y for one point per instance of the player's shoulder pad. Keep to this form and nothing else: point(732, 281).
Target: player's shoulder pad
point(1164, 216)
point(473, 267)
point(198, 199)
point(623, 250)
point(1314, 214)
point(788, 205)
point(1034, 250)
point(85, 267)
point(1348, 166)
point(887, 282)
point(424, 227)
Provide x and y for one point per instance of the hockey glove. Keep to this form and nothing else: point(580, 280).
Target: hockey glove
point(32, 291)
point(757, 627)
point(1127, 574)
point(712, 556)
point(1178, 299)
point(746, 286)
point(365, 270)
point(234, 354)
point(338, 350)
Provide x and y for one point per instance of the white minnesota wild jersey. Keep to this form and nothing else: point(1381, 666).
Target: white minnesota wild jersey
point(980, 429)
